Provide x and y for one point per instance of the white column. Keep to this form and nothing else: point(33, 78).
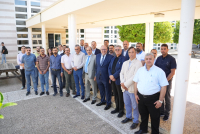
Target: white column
point(30, 38)
point(44, 37)
point(149, 32)
point(28, 9)
point(72, 32)
point(183, 68)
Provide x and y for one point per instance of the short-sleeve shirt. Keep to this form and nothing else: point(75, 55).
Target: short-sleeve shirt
point(140, 56)
point(29, 62)
point(150, 82)
point(43, 62)
point(66, 60)
point(3, 48)
point(166, 63)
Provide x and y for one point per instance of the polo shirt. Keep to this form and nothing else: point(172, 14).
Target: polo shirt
point(150, 82)
point(166, 63)
point(140, 56)
point(66, 60)
point(29, 62)
point(43, 62)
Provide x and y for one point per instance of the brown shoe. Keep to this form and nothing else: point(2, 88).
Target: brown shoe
point(67, 95)
point(74, 93)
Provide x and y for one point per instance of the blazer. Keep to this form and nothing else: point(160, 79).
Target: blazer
point(117, 68)
point(126, 56)
point(102, 71)
point(97, 51)
point(91, 66)
point(127, 74)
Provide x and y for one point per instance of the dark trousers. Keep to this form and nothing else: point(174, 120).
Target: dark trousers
point(23, 77)
point(105, 91)
point(146, 106)
point(64, 81)
point(166, 107)
point(118, 96)
point(55, 74)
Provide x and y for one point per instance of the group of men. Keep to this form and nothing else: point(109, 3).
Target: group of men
point(140, 81)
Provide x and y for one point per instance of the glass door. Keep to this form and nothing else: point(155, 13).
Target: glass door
point(57, 39)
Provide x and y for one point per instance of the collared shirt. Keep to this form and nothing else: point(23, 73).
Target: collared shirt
point(59, 52)
point(166, 63)
point(150, 82)
point(102, 56)
point(55, 62)
point(86, 63)
point(78, 60)
point(19, 59)
point(43, 62)
point(82, 48)
point(125, 51)
point(93, 51)
point(66, 60)
point(140, 56)
point(29, 62)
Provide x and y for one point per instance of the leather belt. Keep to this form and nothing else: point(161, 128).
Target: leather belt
point(146, 96)
point(56, 69)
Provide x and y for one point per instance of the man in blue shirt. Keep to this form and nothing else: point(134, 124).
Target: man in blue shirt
point(168, 64)
point(28, 62)
point(56, 71)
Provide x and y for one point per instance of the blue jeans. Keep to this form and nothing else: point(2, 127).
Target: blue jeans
point(130, 103)
point(55, 74)
point(36, 75)
point(3, 58)
point(44, 80)
point(28, 80)
point(78, 78)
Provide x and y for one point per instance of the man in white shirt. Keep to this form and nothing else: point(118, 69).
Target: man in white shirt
point(68, 71)
point(19, 62)
point(140, 53)
point(60, 47)
point(77, 64)
point(149, 89)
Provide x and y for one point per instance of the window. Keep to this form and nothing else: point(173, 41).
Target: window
point(115, 27)
point(115, 36)
point(34, 35)
point(22, 35)
point(172, 44)
point(171, 47)
point(20, 2)
point(66, 30)
point(19, 48)
point(32, 15)
point(67, 41)
point(115, 31)
point(81, 30)
point(111, 41)
point(33, 10)
point(36, 4)
point(20, 9)
point(111, 31)
point(106, 36)
point(21, 16)
point(154, 44)
point(36, 29)
point(158, 48)
point(22, 42)
point(174, 47)
point(20, 22)
point(67, 36)
point(35, 42)
point(111, 27)
point(106, 31)
point(39, 36)
point(115, 41)
point(39, 41)
point(82, 36)
point(22, 29)
point(106, 27)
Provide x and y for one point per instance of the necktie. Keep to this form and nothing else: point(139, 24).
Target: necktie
point(102, 60)
point(86, 64)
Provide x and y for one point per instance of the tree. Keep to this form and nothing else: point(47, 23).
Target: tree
point(163, 32)
point(196, 32)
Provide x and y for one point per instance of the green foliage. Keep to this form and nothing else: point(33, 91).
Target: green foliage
point(163, 32)
point(196, 32)
point(4, 105)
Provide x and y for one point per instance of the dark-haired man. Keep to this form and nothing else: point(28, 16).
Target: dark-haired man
point(112, 50)
point(95, 50)
point(168, 64)
point(154, 52)
point(106, 43)
point(125, 50)
point(140, 53)
point(4, 51)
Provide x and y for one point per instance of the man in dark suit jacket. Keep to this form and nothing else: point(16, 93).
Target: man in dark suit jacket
point(125, 50)
point(106, 43)
point(95, 50)
point(102, 77)
point(114, 70)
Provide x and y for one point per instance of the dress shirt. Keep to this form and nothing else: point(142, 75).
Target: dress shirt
point(29, 62)
point(102, 56)
point(66, 60)
point(59, 52)
point(93, 51)
point(78, 60)
point(125, 51)
point(140, 56)
point(150, 82)
point(55, 62)
point(82, 48)
point(19, 59)
point(86, 63)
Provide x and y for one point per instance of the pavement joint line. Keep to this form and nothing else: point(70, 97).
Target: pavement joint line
point(100, 116)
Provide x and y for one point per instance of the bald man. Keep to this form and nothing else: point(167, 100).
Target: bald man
point(125, 50)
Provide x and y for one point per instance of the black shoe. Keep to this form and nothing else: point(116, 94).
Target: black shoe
point(61, 94)
point(161, 115)
point(166, 118)
point(126, 120)
point(76, 96)
point(28, 93)
point(93, 101)
point(47, 92)
point(120, 114)
point(134, 126)
point(101, 103)
point(114, 111)
point(36, 92)
point(51, 85)
point(54, 94)
point(140, 132)
point(82, 97)
point(107, 107)
point(86, 100)
point(41, 93)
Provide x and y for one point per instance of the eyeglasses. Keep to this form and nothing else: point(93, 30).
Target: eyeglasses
point(117, 49)
point(76, 49)
point(103, 49)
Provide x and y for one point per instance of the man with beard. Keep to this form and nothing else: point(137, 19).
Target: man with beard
point(28, 62)
point(56, 71)
point(95, 50)
point(85, 46)
point(37, 53)
point(140, 53)
point(60, 47)
point(82, 45)
point(111, 50)
point(125, 50)
point(106, 43)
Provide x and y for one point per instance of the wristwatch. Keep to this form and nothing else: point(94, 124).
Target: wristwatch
point(160, 101)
